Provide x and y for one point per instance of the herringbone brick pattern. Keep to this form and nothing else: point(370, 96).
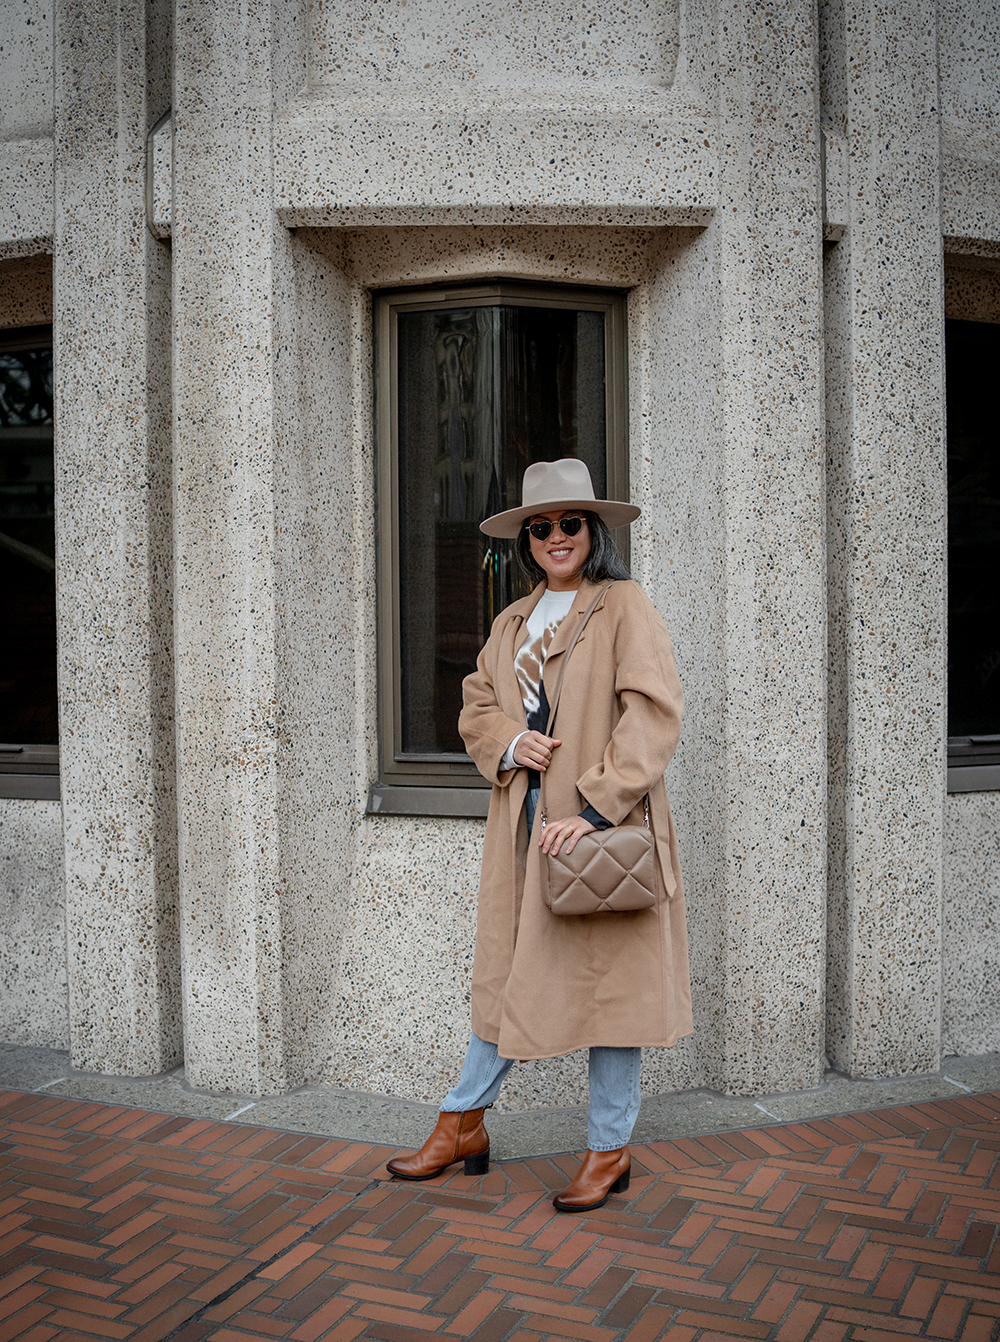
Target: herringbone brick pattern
point(118, 1223)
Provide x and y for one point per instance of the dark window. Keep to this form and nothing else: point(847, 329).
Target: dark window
point(473, 387)
point(29, 729)
point(973, 356)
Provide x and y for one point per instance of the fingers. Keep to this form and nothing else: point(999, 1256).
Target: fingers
point(580, 828)
point(564, 838)
point(534, 751)
point(566, 832)
point(552, 836)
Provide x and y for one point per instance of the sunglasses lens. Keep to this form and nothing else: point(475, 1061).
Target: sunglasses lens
point(569, 526)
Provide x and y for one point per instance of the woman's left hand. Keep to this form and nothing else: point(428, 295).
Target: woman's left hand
point(568, 831)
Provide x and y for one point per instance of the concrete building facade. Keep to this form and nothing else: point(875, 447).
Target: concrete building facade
point(206, 202)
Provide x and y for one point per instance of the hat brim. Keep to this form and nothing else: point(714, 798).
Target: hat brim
point(509, 523)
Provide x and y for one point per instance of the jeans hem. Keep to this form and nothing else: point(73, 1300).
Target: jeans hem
point(604, 1149)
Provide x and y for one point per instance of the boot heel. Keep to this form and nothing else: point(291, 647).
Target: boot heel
point(620, 1185)
point(478, 1164)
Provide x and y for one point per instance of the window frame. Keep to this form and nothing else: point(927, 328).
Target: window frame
point(450, 784)
point(29, 771)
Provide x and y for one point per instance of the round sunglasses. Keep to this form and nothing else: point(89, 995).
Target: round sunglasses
point(569, 526)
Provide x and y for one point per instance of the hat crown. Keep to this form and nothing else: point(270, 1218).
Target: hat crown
point(546, 484)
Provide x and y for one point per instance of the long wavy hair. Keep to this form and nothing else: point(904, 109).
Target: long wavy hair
point(603, 562)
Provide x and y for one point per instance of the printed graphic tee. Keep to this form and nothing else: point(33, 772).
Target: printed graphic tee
point(529, 664)
point(529, 667)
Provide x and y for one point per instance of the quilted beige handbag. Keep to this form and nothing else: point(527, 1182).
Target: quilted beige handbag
point(610, 870)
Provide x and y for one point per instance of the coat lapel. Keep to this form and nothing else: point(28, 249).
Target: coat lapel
point(505, 681)
point(508, 690)
point(568, 627)
point(525, 606)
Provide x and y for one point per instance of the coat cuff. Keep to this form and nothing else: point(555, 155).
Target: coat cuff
point(499, 774)
point(611, 806)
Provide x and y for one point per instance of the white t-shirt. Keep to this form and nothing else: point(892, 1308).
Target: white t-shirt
point(529, 664)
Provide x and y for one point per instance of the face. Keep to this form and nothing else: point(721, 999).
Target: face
point(561, 557)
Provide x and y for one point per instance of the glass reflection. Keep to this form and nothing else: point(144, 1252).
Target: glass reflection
point(972, 354)
point(27, 548)
point(482, 393)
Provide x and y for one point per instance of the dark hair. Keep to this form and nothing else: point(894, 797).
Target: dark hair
point(603, 562)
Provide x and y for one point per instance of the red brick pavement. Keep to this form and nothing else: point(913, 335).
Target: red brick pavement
point(119, 1223)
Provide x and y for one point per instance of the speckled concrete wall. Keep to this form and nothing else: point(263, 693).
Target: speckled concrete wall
point(969, 45)
point(492, 45)
point(972, 289)
point(773, 775)
point(113, 553)
point(323, 594)
point(26, 292)
point(971, 924)
point(26, 69)
point(33, 1000)
point(500, 114)
point(225, 554)
point(887, 496)
point(26, 64)
point(676, 477)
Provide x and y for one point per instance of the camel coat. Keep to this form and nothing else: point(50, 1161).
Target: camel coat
point(542, 984)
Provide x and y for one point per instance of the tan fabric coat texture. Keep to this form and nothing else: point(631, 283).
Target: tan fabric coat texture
point(544, 985)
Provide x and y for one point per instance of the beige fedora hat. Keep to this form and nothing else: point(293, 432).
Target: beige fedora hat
point(551, 485)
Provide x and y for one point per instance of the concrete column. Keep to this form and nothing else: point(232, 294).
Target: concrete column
point(888, 510)
point(768, 987)
point(113, 551)
point(224, 245)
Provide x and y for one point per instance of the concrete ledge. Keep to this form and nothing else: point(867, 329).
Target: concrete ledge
point(642, 157)
point(387, 1120)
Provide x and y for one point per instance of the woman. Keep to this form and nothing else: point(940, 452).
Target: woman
point(544, 985)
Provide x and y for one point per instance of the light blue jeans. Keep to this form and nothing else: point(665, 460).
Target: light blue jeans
point(614, 1077)
point(614, 1089)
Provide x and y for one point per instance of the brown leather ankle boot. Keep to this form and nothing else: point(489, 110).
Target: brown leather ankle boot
point(455, 1137)
point(601, 1173)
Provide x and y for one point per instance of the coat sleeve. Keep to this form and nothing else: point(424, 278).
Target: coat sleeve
point(486, 730)
point(649, 692)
